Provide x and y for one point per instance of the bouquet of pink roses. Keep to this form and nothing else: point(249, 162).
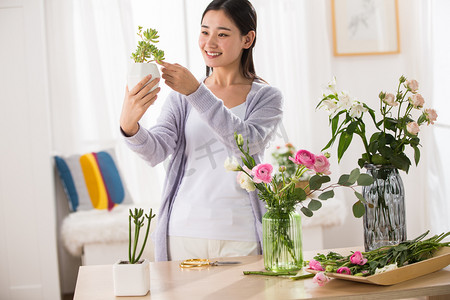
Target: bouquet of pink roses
point(280, 191)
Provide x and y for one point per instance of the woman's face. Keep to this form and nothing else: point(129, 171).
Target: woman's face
point(220, 40)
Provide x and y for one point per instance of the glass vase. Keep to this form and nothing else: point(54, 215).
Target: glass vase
point(384, 222)
point(282, 241)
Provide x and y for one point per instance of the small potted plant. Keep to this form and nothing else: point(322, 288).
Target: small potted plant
point(132, 276)
point(144, 56)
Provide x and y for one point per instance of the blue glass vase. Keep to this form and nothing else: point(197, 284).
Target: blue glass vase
point(384, 220)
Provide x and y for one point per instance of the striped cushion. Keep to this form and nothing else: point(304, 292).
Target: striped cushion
point(92, 180)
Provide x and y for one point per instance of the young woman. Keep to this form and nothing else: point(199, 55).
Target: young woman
point(204, 212)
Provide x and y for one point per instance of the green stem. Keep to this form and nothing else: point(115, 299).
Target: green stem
point(270, 273)
point(129, 238)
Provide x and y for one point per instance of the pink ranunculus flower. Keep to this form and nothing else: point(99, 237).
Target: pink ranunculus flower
point(431, 115)
point(315, 265)
point(322, 165)
point(262, 173)
point(321, 278)
point(389, 99)
point(358, 259)
point(413, 128)
point(417, 100)
point(344, 270)
point(304, 157)
point(413, 85)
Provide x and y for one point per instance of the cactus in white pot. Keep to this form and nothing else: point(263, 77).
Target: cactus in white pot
point(145, 55)
point(132, 276)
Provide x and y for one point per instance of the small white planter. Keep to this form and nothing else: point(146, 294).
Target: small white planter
point(131, 279)
point(137, 71)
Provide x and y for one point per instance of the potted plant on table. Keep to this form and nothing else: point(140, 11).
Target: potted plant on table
point(144, 56)
point(132, 276)
point(384, 221)
point(281, 224)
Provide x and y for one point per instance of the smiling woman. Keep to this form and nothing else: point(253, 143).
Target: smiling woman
point(202, 207)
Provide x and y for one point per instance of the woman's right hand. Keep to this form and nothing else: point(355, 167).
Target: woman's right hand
point(136, 103)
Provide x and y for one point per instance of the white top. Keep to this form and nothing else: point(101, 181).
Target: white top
point(210, 203)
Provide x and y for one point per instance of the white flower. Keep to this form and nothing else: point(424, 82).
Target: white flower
point(413, 85)
point(357, 110)
point(345, 101)
point(245, 181)
point(386, 268)
point(332, 86)
point(330, 106)
point(389, 99)
point(231, 164)
point(413, 128)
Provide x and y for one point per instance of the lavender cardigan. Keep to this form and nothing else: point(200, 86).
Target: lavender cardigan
point(262, 116)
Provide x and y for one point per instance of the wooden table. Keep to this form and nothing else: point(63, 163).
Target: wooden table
point(169, 281)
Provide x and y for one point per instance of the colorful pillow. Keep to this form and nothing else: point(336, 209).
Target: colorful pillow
point(92, 180)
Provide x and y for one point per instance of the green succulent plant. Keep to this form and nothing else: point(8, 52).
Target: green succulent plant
point(146, 51)
point(138, 219)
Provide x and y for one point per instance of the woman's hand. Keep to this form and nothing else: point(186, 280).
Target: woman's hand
point(179, 78)
point(136, 103)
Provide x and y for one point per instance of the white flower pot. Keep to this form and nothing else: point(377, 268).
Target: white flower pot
point(137, 71)
point(131, 279)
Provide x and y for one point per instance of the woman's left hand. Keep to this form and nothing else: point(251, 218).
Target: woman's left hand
point(179, 78)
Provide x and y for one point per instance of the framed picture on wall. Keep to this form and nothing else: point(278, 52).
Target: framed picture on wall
point(365, 27)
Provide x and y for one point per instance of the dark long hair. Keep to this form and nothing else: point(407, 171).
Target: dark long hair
point(244, 16)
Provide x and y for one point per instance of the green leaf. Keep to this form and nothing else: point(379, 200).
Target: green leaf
point(416, 155)
point(373, 147)
point(299, 194)
point(365, 179)
point(360, 197)
point(343, 180)
point(334, 124)
point(314, 205)
point(386, 152)
point(358, 209)
point(379, 160)
point(306, 211)
point(344, 142)
point(351, 127)
point(401, 161)
point(354, 174)
point(316, 181)
point(375, 136)
point(326, 195)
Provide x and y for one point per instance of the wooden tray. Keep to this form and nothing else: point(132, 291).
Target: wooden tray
point(440, 260)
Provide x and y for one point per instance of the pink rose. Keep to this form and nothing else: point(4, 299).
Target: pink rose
point(357, 258)
point(344, 270)
point(417, 100)
point(413, 85)
point(262, 173)
point(304, 157)
point(322, 165)
point(315, 265)
point(413, 128)
point(389, 99)
point(321, 279)
point(431, 115)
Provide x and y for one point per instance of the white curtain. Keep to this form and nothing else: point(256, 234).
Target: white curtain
point(439, 161)
point(89, 44)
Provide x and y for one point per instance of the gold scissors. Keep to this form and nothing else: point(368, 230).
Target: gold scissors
point(202, 262)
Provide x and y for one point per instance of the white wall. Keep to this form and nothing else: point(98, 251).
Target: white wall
point(365, 77)
point(29, 267)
